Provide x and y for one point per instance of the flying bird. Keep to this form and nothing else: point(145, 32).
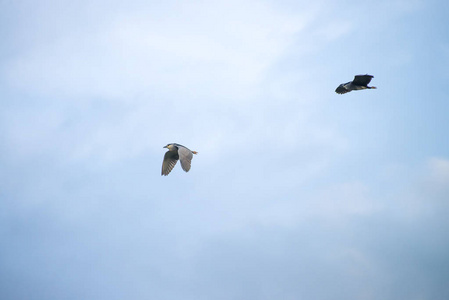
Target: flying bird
point(360, 82)
point(176, 152)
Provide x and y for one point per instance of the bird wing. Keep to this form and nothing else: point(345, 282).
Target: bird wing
point(341, 89)
point(362, 79)
point(170, 160)
point(185, 156)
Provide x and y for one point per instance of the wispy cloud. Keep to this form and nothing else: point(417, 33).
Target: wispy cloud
point(202, 63)
point(222, 50)
point(294, 187)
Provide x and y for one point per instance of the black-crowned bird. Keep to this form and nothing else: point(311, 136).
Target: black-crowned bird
point(360, 82)
point(176, 152)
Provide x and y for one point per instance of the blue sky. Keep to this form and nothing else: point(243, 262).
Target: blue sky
point(296, 193)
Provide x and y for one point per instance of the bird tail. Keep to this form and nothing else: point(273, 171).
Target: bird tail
point(194, 152)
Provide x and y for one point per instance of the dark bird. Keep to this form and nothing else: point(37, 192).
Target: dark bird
point(176, 152)
point(360, 82)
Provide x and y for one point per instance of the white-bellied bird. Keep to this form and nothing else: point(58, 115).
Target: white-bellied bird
point(360, 82)
point(176, 152)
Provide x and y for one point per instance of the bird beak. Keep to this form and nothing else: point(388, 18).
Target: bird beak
point(164, 147)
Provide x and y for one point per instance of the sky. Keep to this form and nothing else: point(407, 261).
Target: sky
point(296, 192)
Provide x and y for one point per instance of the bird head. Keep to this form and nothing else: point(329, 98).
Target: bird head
point(169, 146)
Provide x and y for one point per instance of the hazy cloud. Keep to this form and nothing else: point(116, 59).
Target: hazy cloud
point(296, 192)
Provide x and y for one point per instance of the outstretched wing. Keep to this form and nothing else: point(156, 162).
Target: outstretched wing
point(341, 89)
point(170, 160)
point(185, 156)
point(362, 79)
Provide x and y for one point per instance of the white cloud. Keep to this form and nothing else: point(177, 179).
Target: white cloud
point(336, 29)
point(438, 169)
point(198, 49)
point(200, 74)
point(269, 192)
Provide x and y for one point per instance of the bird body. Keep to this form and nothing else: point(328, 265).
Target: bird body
point(176, 152)
point(360, 82)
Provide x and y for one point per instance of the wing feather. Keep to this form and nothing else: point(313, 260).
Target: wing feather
point(185, 156)
point(341, 89)
point(170, 160)
point(362, 79)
